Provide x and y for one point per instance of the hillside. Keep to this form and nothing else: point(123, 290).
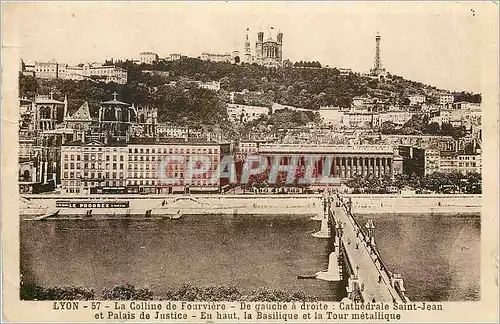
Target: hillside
point(186, 103)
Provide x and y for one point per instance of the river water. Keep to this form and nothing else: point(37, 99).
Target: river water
point(438, 256)
point(246, 251)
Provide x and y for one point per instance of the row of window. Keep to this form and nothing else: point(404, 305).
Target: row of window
point(87, 157)
point(78, 183)
point(94, 166)
point(173, 150)
point(94, 175)
point(175, 175)
point(75, 186)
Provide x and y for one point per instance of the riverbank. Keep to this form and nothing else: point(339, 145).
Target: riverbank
point(185, 292)
point(415, 204)
point(171, 207)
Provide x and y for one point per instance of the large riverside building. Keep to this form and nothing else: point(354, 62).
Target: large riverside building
point(93, 167)
point(141, 166)
point(347, 161)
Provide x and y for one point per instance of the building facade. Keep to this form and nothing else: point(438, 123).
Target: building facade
point(445, 98)
point(148, 58)
point(269, 52)
point(171, 131)
point(416, 99)
point(451, 161)
point(55, 70)
point(346, 161)
point(216, 57)
point(140, 166)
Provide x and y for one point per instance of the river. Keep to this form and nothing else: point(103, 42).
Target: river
point(438, 256)
point(246, 251)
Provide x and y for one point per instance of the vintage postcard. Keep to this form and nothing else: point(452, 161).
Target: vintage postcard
point(195, 162)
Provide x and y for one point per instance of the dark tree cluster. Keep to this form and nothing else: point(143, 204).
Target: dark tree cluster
point(438, 182)
point(419, 125)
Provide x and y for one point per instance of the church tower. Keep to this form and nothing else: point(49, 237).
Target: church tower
point(280, 46)
point(248, 54)
point(259, 45)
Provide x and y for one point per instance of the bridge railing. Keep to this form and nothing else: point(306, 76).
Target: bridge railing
point(382, 266)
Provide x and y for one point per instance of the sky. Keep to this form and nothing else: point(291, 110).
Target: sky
point(435, 43)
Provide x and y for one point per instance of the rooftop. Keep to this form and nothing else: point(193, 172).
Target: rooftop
point(115, 101)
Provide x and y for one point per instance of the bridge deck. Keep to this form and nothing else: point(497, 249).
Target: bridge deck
point(369, 272)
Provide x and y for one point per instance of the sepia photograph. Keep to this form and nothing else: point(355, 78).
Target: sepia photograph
point(259, 153)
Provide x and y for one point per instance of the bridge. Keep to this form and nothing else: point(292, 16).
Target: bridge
point(356, 257)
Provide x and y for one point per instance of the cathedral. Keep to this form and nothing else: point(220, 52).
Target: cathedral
point(268, 52)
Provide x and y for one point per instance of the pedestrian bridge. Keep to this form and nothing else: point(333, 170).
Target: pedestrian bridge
point(355, 256)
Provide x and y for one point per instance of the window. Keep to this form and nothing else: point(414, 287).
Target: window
point(114, 166)
point(65, 165)
point(71, 165)
point(78, 157)
point(107, 157)
point(66, 157)
point(121, 166)
point(72, 157)
point(114, 157)
point(121, 158)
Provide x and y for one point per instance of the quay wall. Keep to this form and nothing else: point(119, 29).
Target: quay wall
point(273, 204)
point(206, 204)
point(413, 204)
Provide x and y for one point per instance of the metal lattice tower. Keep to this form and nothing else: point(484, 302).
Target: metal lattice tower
point(378, 62)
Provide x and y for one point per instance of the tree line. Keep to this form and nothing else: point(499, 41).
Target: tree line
point(419, 125)
point(185, 292)
point(437, 182)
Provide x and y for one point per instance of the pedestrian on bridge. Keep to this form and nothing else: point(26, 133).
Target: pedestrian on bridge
point(379, 279)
